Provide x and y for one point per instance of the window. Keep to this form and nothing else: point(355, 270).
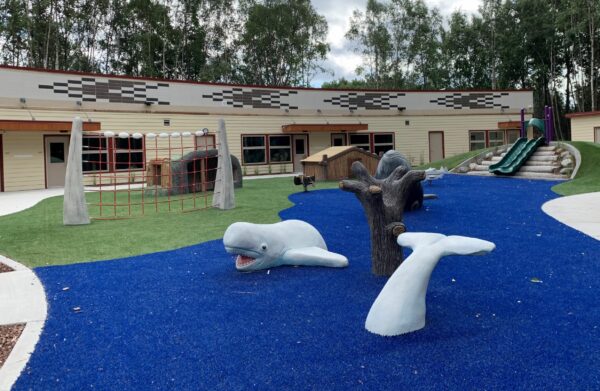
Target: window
point(338, 139)
point(495, 138)
point(280, 149)
point(477, 140)
point(361, 140)
point(128, 153)
point(254, 150)
point(512, 135)
point(205, 142)
point(383, 142)
point(57, 152)
point(94, 153)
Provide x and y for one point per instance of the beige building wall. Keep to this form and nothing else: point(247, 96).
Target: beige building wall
point(23, 161)
point(411, 135)
point(582, 128)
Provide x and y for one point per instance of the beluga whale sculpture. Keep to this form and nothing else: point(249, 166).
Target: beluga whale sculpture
point(400, 306)
point(290, 242)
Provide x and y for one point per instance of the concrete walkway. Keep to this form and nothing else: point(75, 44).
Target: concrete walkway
point(580, 212)
point(22, 300)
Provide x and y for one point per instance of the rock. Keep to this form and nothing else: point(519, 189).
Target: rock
point(566, 171)
point(564, 154)
point(566, 163)
point(463, 169)
point(489, 155)
point(473, 166)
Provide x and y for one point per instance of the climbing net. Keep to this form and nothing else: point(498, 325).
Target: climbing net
point(133, 174)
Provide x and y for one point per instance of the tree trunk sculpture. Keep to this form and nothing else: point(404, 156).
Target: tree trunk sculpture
point(384, 201)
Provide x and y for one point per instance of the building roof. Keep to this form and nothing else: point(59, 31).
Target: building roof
point(583, 114)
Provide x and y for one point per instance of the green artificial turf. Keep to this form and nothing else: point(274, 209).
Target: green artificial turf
point(453, 161)
point(588, 176)
point(37, 237)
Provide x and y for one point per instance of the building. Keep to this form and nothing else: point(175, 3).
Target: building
point(270, 130)
point(585, 126)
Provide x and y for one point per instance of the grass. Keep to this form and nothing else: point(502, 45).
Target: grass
point(37, 237)
point(453, 161)
point(588, 176)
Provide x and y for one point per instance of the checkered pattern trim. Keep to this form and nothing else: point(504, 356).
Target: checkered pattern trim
point(472, 100)
point(368, 101)
point(88, 89)
point(254, 98)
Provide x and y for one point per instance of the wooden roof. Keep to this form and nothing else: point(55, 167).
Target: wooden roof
point(334, 152)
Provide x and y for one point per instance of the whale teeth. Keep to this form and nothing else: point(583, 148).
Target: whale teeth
point(243, 260)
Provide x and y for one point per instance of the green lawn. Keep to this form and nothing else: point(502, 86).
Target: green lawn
point(588, 176)
point(453, 161)
point(36, 236)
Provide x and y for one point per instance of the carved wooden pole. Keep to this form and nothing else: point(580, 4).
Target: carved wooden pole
point(384, 202)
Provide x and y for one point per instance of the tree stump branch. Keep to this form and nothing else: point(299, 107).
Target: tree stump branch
point(384, 202)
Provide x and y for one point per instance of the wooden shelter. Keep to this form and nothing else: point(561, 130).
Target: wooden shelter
point(334, 163)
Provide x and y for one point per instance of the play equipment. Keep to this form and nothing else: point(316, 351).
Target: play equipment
point(75, 211)
point(305, 181)
point(132, 174)
point(400, 306)
point(516, 156)
point(290, 242)
point(384, 202)
point(534, 133)
point(223, 195)
point(335, 163)
point(388, 163)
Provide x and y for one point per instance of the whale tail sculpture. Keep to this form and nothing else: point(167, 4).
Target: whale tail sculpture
point(400, 306)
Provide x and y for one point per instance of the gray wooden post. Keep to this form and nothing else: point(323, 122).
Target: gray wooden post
point(223, 195)
point(75, 210)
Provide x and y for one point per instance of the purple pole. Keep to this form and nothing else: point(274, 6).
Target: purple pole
point(522, 123)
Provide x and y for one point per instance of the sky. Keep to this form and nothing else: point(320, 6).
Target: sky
point(342, 61)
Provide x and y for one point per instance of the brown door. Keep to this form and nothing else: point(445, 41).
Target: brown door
point(1, 165)
point(300, 145)
point(596, 136)
point(436, 146)
point(57, 150)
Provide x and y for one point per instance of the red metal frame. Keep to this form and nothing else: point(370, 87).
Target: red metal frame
point(113, 207)
point(443, 143)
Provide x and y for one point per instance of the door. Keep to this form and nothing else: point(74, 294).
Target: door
point(1, 165)
point(300, 144)
point(57, 150)
point(436, 146)
point(596, 137)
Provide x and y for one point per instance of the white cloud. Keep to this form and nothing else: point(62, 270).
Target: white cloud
point(342, 61)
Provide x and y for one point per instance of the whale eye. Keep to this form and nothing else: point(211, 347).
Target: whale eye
point(263, 246)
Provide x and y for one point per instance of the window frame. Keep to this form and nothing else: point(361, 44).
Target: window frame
point(289, 147)
point(375, 144)
point(264, 147)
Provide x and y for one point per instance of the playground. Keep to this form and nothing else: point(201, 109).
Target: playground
point(521, 317)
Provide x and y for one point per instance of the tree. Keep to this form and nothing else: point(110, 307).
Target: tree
point(384, 202)
point(281, 43)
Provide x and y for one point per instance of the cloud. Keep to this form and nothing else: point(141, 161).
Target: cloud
point(342, 61)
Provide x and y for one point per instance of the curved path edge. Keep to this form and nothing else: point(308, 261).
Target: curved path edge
point(580, 212)
point(22, 300)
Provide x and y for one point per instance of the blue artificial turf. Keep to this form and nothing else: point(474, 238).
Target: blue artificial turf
point(187, 320)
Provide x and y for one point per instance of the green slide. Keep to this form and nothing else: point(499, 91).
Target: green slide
point(516, 156)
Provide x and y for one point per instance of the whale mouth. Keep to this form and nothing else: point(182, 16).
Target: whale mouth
point(243, 261)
